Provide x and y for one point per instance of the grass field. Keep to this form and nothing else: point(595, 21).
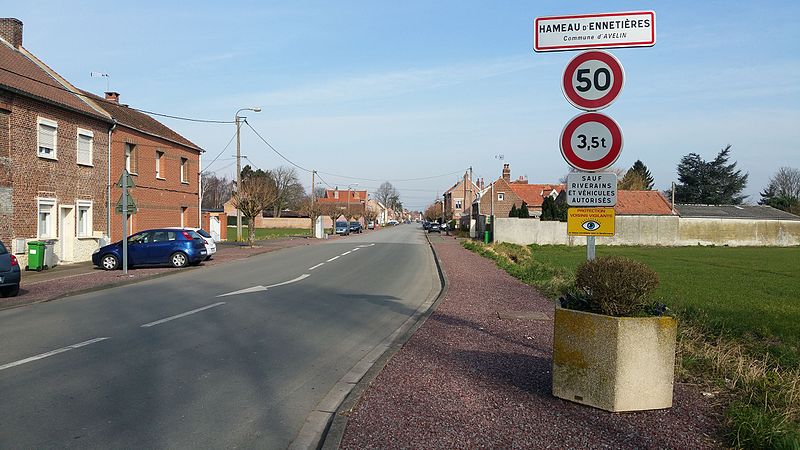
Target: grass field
point(739, 315)
point(745, 291)
point(268, 233)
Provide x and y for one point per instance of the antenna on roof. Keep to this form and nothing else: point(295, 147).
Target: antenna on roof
point(500, 157)
point(100, 74)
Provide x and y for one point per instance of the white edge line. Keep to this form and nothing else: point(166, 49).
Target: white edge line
point(178, 316)
point(51, 353)
point(312, 268)
point(346, 253)
point(355, 249)
point(300, 278)
point(332, 259)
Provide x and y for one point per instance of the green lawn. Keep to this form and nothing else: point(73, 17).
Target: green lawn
point(746, 291)
point(269, 233)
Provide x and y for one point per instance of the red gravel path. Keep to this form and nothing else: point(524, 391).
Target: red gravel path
point(49, 289)
point(467, 379)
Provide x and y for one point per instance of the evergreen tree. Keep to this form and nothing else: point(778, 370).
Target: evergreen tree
point(714, 182)
point(561, 207)
point(548, 209)
point(643, 173)
point(513, 212)
point(523, 211)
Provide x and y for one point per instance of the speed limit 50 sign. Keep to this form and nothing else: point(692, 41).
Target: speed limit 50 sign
point(593, 80)
point(591, 142)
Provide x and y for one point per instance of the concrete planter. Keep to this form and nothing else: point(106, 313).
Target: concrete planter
point(614, 363)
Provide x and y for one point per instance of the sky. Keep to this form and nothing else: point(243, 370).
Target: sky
point(366, 91)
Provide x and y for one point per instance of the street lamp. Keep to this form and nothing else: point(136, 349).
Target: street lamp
point(348, 200)
point(239, 168)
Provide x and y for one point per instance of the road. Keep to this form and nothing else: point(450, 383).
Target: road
point(174, 362)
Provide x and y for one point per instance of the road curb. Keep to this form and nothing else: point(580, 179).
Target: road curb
point(332, 431)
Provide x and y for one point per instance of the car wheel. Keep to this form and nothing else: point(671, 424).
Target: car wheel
point(11, 291)
point(208, 258)
point(109, 262)
point(178, 260)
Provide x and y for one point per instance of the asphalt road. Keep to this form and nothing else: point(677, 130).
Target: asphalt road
point(173, 362)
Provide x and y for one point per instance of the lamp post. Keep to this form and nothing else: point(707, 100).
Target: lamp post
point(239, 168)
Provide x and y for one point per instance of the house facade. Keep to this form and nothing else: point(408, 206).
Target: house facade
point(458, 199)
point(53, 156)
point(503, 194)
point(350, 202)
point(164, 167)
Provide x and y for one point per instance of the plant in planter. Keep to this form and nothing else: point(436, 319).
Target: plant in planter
point(612, 348)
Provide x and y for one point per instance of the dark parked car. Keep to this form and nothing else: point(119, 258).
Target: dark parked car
point(9, 273)
point(355, 227)
point(177, 248)
point(434, 227)
point(426, 225)
point(342, 228)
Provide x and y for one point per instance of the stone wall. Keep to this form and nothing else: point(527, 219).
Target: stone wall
point(659, 231)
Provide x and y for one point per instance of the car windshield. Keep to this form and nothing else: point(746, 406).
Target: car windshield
point(341, 224)
point(203, 233)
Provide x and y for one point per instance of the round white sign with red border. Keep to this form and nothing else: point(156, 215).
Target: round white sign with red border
point(593, 80)
point(591, 142)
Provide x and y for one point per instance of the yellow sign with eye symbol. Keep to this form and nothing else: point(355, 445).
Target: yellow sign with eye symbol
point(590, 222)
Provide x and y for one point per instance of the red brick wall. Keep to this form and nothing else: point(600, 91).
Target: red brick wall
point(501, 208)
point(159, 201)
point(32, 176)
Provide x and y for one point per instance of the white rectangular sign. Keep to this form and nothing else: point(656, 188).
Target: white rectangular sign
point(584, 31)
point(591, 189)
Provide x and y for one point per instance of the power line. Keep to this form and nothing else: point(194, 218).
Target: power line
point(275, 150)
point(221, 152)
point(80, 94)
point(392, 181)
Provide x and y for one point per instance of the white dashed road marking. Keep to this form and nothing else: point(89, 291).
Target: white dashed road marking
point(312, 268)
point(346, 253)
point(51, 353)
point(332, 259)
point(178, 316)
point(264, 288)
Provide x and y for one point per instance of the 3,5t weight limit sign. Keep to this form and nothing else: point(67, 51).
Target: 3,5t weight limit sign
point(593, 80)
point(591, 142)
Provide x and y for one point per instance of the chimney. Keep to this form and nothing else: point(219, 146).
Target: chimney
point(482, 185)
point(507, 172)
point(112, 97)
point(11, 31)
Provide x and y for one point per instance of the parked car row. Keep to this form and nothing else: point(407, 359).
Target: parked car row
point(177, 247)
point(345, 228)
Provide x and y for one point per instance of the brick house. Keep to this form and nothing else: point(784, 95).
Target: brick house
point(459, 198)
point(349, 201)
point(163, 164)
point(53, 155)
point(504, 193)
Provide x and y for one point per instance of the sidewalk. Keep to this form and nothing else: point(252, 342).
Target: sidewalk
point(71, 279)
point(471, 379)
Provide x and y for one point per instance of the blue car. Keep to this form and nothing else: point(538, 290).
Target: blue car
point(177, 248)
point(9, 273)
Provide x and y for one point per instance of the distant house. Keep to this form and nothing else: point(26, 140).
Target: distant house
point(642, 203)
point(728, 212)
point(54, 146)
point(458, 199)
point(503, 193)
point(350, 202)
point(163, 164)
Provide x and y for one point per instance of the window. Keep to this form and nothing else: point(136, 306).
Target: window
point(84, 218)
point(159, 158)
point(130, 159)
point(85, 147)
point(458, 203)
point(183, 216)
point(184, 170)
point(46, 207)
point(501, 196)
point(47, 134)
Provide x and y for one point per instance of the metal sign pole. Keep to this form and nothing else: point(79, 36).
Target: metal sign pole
point(125, 221)
point(589, 248)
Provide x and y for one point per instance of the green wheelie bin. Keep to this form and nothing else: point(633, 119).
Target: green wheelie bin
point(35, 256)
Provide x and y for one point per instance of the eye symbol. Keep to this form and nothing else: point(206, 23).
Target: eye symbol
point(590, 225)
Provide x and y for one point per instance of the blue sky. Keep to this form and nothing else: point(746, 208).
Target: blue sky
point(412, 89)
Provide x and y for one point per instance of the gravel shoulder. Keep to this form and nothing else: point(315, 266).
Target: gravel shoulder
point(469, 379)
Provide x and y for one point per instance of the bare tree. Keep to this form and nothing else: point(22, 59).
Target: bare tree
point(387, 194)
point(289, 190)
point(215, 190)
point(256, 193)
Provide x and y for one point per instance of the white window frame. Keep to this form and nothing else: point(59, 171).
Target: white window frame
point(51, 223)
point(459, 202)
point(130, 158)
point(159, 157)
point(90, 135)
point(501, 196)
point(184, 209)
point(89, 206)
point(50, 123)
point(184, 170)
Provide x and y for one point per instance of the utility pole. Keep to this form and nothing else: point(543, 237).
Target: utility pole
point(237, 119)
point(313, 186)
